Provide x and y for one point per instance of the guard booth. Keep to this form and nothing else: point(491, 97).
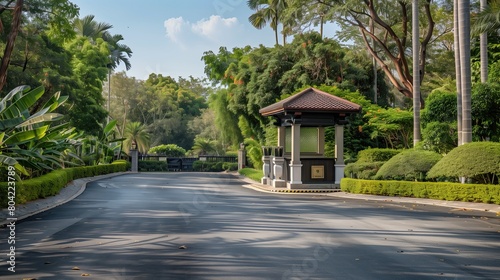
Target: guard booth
point(298, 162)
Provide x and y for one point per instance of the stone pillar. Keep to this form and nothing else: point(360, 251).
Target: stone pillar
point(339, 153)
point(278, 164)
point(242, 157)
point(134, 154)
point(266, 168)
point(295, 164)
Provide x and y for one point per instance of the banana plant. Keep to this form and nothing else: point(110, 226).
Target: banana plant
point(28, 141)
point(103, 147)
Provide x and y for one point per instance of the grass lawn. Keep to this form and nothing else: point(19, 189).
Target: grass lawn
point(251, 173)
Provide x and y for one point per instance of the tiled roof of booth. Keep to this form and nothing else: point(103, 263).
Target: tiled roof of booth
point(311, 100)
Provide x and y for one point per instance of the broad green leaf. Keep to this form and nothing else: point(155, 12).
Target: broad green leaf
point(6, 160)
point(40, 119)
point(11, 94)
point(109, 127)
point(26, 136)
point(10, 123)
point(24, 103)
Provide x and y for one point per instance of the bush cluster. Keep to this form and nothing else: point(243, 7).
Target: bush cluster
point(206, 166)
point(369, 162)
point(169, 150)
point(152, 166)
point(363, 170)
point(435, 190)
point(52, 183)
point(377, 154)
point(476, 161)
point(409, 165)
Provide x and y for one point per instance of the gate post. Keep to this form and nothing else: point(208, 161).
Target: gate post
point(242, 157)
point(134, 154)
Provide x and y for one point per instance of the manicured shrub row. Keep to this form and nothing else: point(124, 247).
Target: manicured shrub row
point(433, 190)
point(206, 166)
point(52, 183)
point(152, 165)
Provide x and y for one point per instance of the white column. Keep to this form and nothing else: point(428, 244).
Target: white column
point(339, 153)
point(295, 164)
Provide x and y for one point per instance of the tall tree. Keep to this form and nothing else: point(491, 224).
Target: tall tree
point(458, 70)
point(416, 72)
point(488, 20)
point(484, 48)
point(267, 11)
point(88, 27)
point(16, 24)
point(465, 72)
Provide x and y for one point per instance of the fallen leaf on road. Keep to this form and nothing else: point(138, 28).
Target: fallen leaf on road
point(85, 274)
point(183, 247)
point(75, 268)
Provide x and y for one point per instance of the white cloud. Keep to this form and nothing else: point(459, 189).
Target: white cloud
point(175, 27)
point(215, 27)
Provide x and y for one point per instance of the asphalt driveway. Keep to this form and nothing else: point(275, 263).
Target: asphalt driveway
point(206, 226)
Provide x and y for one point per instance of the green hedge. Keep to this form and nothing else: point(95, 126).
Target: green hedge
point(363, 170)
point(206, 166)
point(152, 165)
point(433, 190)
point(51, 184)
point(376, 154)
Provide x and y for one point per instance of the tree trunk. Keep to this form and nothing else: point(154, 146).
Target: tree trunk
point(465, 72)
point(457, 71)
point(416, 73)
point(374, 64)
point(9, 47)
point(483, 45)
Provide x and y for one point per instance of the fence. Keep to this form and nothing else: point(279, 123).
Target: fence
point(183, 163)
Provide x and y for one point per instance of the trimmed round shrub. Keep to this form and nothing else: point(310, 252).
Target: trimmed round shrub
point(376, 154)
point(363, 170)
point(476, 161)
point(169, 150)
point(409, 165)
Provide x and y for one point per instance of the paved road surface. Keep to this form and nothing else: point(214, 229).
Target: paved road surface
point(206, 226)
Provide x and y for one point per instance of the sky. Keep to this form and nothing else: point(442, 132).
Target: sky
point(169, 37)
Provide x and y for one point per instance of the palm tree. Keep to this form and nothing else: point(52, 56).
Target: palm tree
point(458, 76)
point(267, 11)
point(88, 27)
point(416, 73)
point(465, 72)
point(488, 20)
point(203, 146)
point(118, 53)
point(136, 133)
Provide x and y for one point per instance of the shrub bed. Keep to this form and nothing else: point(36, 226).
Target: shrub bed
point(363, 170)
point(409, 165)
point(433, 190)
point(152, 165)
point(207, 166)
point(52, 183)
